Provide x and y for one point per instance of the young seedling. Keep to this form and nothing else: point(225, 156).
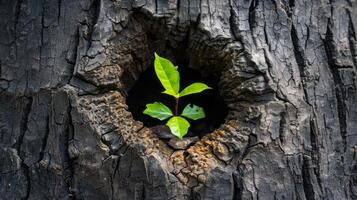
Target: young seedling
point(169, 77)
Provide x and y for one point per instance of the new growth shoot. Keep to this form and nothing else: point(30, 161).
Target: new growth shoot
point(169, 77)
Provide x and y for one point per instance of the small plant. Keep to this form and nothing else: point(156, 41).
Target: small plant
point(169, 77)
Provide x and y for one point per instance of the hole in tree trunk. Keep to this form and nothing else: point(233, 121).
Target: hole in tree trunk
point(147, 89)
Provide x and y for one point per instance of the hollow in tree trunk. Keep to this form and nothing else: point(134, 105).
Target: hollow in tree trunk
point(286, 70)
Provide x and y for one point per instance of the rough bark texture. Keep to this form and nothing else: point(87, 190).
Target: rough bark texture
point(287, 72)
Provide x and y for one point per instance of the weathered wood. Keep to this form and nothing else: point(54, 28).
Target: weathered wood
point(287, 73)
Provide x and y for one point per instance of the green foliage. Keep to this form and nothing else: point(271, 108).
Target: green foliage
point(194, 88)
point(178, 126)
point(194, 112)
point(158, 110)
point(169, 77)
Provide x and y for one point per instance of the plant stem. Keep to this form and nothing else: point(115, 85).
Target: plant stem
point(176, 106)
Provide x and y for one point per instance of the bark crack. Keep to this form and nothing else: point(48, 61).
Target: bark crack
point(23, 129)
point(339, 90)
point(44, 141)
point(306, 180)
point(251, 18)
point(72, 60)
point(16, 22)
point(28, 179)
point(59, 10)
point(70, 137)
point(237, 185)
point(300, 59)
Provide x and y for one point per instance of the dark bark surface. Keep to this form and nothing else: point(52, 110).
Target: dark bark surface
point(287, 72)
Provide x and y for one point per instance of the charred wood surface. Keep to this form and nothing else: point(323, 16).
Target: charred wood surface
point(287, 72)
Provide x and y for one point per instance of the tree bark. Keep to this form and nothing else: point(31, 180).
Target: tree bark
point(287, 72)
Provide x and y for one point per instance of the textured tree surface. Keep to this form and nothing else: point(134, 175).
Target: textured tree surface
point(287, 72)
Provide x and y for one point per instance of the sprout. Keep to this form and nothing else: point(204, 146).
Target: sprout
point(169, 77)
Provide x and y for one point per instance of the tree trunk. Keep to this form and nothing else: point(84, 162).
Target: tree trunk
point(287, 72)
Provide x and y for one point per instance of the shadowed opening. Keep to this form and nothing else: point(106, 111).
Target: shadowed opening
point(148, 88)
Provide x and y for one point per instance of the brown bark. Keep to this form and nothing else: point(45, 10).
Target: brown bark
point(287, 73)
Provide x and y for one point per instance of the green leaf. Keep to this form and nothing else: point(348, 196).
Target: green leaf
point(194, 88)
point(194, 112)
point(178, 126)
point(168, 75)
point(158, 110)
